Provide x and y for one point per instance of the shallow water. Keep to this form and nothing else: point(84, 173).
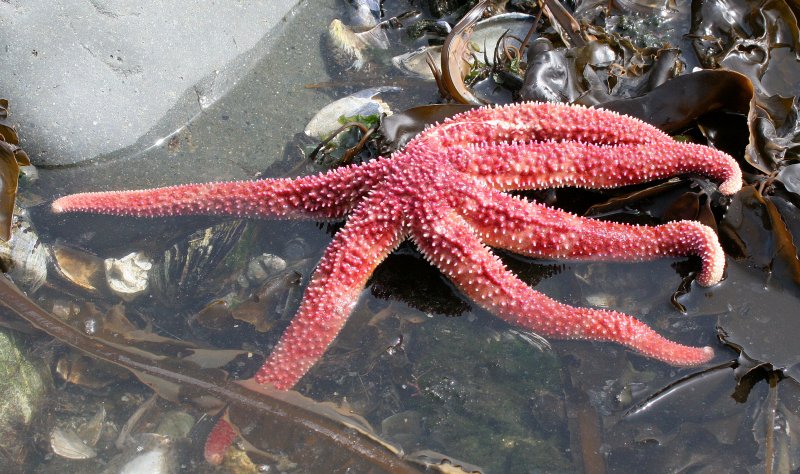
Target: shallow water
point(469, 386)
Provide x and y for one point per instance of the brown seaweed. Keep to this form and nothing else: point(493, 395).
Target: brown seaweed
point(11, 158)
point(762, 44)
point(679, 102)
point(399, 128)
point(456, 50)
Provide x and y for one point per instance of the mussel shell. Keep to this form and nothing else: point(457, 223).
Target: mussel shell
point(23, 257)
point(364, 13)
point(79, 268)
point(351, 50)
point(515, 26)
point(178, 273)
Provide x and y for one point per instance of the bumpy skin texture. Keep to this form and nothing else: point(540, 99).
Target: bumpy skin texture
point(444, 191)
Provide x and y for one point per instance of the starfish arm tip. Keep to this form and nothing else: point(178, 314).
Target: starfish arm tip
point(689, 356)
point(60, 205)
point(713, 264)
point(705, 354)
point(733, 181)
point(710, 277)
point(676, 354)
point(731, 186)
point(219, 440)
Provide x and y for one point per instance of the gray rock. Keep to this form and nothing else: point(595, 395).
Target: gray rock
point(241, 134)
point(91, 77)
point(25, 383)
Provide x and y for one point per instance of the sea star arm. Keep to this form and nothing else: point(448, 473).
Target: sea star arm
point(449, 242)
point(324, 196)
point(549, 164)
point(532, 229)
point(538, 121)
point(368, 237)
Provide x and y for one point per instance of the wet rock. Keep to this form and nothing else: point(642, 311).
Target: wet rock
point(24, 383)
point(175, 424)
point(96, 76)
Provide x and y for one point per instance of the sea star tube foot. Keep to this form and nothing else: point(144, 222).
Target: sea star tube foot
point(445, 192)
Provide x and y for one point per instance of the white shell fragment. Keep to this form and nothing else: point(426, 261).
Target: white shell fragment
point(128, 276)
point(67, 444)
point(364, 102)
point(146, 452)
point(602, 300)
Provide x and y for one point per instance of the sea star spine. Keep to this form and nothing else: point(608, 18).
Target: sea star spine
point(461, 255)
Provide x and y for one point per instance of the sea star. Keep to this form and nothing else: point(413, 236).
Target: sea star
point(444, 191)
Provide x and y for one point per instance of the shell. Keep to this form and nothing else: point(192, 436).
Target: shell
point(79, 268)
point(363, 102)
point(66, 443)
point(261, 268)
point(415, 62)
point(178, 273)
point(23, 256)
point(489, 31)
point(146, 452)
point(350, 49)
point(364, 13)
point(128, 277)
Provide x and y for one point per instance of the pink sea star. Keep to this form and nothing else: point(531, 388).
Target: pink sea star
point(444, 192)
